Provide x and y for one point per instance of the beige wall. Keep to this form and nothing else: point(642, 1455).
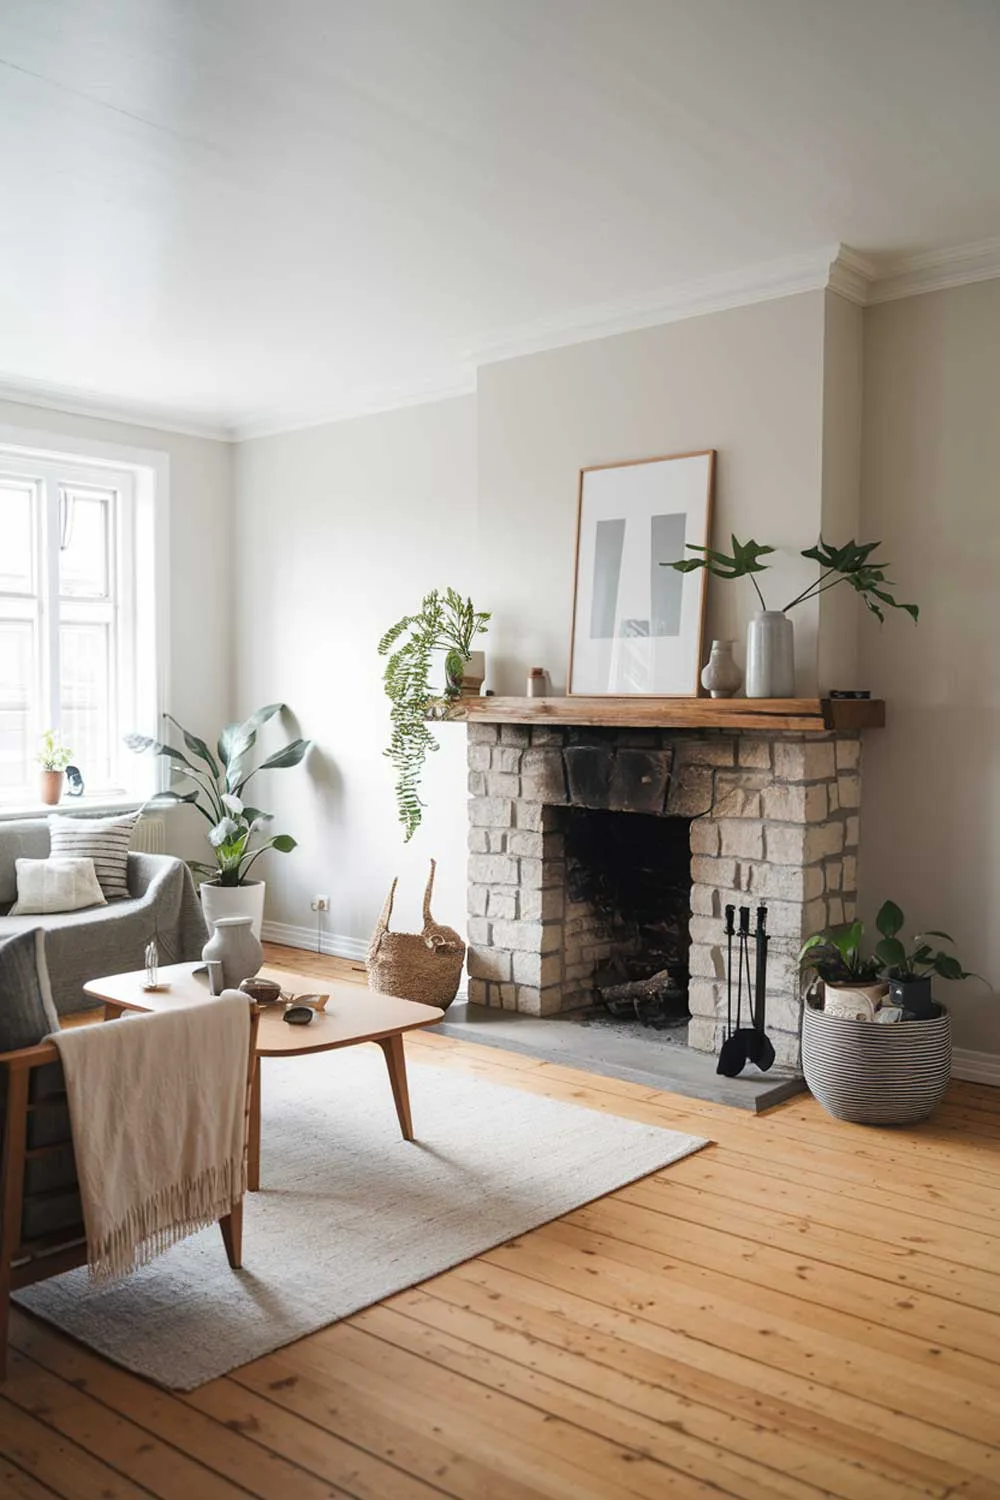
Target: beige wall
point(200, 634)
point(839, 610)
point(748, 382)
point(339, 531)
point(931, 492)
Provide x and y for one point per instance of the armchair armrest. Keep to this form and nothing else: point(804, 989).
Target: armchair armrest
point(26, 1058)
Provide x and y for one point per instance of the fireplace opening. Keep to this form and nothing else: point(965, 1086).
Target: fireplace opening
point(628, 906)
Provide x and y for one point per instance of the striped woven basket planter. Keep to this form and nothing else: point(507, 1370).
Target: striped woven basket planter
point(876, 1075)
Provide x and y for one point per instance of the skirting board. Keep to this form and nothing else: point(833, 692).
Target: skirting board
point(333, 944)
point(976, 1067)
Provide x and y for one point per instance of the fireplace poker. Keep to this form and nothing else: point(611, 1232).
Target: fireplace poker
point(760, 1050)
point(733, 1052)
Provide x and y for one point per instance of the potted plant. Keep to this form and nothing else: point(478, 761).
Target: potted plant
point(445, 622)
point(235, 829)
point(770, 638)
point(859, 1069)
point(54, 755)
point(909, 969)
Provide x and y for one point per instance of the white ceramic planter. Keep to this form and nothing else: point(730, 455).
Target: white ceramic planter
point(233, 901)
point(770, 656)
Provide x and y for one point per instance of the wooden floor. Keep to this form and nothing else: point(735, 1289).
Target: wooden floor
point(804, 1308)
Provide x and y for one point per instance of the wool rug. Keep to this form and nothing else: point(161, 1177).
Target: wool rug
point(349, 1213)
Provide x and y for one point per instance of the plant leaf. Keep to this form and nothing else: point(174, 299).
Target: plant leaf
point(284, 843)
point(196, 746)
point(889, 920)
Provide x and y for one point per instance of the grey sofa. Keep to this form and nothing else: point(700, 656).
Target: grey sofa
point(101, 940)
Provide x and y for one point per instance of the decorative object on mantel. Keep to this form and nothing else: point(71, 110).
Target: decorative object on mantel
point(54, 755)
point(425, 965)
point(218, 785)
point(909, 970)
point(770, 638)
point(234, 945)
point(721, 676)
point(633, 631)
point(445, 622)
point(537, 682)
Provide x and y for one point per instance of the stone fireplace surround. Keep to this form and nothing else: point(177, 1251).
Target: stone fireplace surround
point(775, 822)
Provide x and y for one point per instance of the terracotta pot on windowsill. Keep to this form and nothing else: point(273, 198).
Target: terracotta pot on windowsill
point(50, 787)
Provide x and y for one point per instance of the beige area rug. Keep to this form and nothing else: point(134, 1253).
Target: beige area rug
point(349, 1213)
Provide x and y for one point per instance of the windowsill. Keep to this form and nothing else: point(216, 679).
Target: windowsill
point(96, 804)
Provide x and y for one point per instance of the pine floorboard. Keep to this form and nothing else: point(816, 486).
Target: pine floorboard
point(803, 1309)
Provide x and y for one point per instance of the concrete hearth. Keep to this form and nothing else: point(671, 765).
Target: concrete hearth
point(773, 820)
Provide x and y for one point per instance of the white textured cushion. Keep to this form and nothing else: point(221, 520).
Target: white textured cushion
point(104, 840)
point(53, 885)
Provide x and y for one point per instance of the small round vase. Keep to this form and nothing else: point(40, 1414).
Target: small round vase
point(234, 946)
point(770, 656)
point(721, 676)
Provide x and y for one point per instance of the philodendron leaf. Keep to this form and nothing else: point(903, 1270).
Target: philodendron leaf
point(892, 953)
point(948, 967)
point(284, 843)
point(744, 560)
point(932, 932)
point(890, 919)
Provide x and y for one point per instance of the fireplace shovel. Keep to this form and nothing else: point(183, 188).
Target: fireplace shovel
point(759, 1046)
point(734, 1051)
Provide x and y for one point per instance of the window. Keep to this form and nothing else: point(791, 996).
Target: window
point(76, 587)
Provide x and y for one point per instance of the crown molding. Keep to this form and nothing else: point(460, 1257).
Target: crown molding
point(934, 270)
point(443, 385)
point(77, 403)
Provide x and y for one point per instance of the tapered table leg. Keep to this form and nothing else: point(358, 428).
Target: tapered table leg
point(253, 1131)
point(232, 1235)
point(395, 1061)
point(112, 1011)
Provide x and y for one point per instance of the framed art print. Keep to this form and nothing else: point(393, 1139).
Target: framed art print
point(638, 624)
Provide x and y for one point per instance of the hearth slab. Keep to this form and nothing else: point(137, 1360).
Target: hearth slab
point(616, 1049)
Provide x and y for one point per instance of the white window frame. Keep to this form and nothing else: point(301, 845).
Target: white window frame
point(140, 478)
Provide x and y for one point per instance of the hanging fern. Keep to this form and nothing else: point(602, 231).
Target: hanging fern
point(449, 623)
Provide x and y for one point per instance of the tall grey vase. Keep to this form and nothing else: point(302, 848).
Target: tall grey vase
point(770, 656)
point(233, 944)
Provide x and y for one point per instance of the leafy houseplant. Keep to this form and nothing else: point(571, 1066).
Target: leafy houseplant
point(909, 969)
point(219, 779)
point(445, 622)
point(770, 650)
point(836, 957)
point(54, 755)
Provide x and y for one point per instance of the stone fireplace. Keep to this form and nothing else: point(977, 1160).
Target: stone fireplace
point(568, 826)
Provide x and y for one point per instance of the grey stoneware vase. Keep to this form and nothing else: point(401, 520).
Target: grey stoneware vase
point(770, 656)
point(234, 946)
point(721, 676)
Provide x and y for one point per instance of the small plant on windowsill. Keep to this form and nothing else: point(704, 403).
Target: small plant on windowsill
point(445, 622)
point(54, 755)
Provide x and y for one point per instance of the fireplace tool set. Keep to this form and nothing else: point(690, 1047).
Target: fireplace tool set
point(749, 1043)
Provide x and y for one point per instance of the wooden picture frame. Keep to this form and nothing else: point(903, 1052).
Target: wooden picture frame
point(638, 627)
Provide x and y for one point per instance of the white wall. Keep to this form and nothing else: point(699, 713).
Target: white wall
point(930, 492)
point(748, 382)
point(340, 530)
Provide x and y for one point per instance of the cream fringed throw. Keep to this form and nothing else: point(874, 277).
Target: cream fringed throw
point(157, 1109)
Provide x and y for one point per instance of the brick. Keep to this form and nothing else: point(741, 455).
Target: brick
point(850, 874)
point(540, 875)
point(491, 812)
point(489, 963)
point(833, 794)
point(690, 793)
point(530, 844)
point(477, 784)
point(702, 1034)
point(528, 937)
point(542, 735)
point(479, 757)
point(784, 1014)
point(738, 793)
point(721, 752)
point(783, 882)
point(477, 992)
point(814, 917)
point(477, 840)
point(706, 961)
point(479, 931)
point(705, 929)
point(851, 830)
point(705, 901)
point(795, 804)
point(704, 836)
point(705, 997)
point(502, 904)
point(496, 840)
point(544, 906)
point(533, 1001)
point(834, 911)
point(754, 754)
point(508, 996)
point(785, 920)
point(506, 758)
point(493, 869)
point(478, 898)
point(502, 784)
point(717, 872)
point(834, 874)
point(529, 815)
point(514, 734)
point(804, 845)
point(543, 778)
point(848, 754)
point(537, 970)
point(741, 838)
point(483, 734)
point(804, 760)
point(849, 789)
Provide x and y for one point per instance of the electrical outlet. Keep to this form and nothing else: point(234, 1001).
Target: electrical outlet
point(320, 903)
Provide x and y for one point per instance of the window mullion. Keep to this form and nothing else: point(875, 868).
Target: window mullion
point(49, 599)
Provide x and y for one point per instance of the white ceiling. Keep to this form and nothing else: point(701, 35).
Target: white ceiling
point(270, 210)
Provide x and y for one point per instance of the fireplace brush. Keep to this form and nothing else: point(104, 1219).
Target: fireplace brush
point(744, 1044)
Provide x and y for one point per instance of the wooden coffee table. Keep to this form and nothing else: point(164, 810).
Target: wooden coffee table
point(352, 1016)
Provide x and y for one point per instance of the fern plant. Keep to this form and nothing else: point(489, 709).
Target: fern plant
point(445, 622)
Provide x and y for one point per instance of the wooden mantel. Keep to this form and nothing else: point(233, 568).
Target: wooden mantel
point(804, 715)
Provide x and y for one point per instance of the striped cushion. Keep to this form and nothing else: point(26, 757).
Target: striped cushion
point(104, 840)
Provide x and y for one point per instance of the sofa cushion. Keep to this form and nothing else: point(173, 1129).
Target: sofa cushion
point(27, 1013)
point(104, 840)
point(20, 838)
point(56, 885)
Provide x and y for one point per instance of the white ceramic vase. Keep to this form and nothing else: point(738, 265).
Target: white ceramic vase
point(233, 901)
point(721, 676)
point(234, 946)
point(770, 656)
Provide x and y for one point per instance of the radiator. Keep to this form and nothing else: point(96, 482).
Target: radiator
point(150, 836)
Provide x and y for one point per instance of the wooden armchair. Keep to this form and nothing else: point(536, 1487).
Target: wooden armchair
point(41, 1218)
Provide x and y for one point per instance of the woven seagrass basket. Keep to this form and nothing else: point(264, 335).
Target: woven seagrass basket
point(425, 966)
point(876, 1075)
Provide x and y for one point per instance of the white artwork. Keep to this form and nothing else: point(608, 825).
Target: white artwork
point(637, 624)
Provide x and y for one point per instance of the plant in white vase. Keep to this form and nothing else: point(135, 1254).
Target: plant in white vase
point(770, 638)
point(235, 833)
